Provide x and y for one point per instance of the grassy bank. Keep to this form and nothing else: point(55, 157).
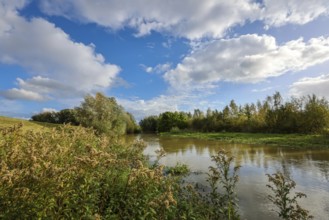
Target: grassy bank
point(27, 125)
point(289, 140)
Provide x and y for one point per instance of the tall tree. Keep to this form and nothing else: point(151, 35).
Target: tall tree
point(103, 114)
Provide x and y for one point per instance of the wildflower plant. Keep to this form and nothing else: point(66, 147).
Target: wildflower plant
point(287, 205)
point(222, 179)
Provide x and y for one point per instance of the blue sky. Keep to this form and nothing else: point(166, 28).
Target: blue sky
point(156, 56)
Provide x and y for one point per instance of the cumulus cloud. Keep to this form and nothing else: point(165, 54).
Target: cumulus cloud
point(280, 12)
point(22, 94)
point(311, 85)
point(141, 108)
point(191, 19)
point(246, 59)
point(58, 65)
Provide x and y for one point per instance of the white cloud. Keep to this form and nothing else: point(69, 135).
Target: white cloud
point(22, 94)
point(158, 69)
point(246, 59)
point(141, 108)
point(172, 101)
point(192, 19)
point(280, 12)
point(311, 85)
point(58, 64)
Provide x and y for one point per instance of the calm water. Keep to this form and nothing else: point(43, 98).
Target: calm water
point(309, 169)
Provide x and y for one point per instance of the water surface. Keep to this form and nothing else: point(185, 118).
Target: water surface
point(309, 168)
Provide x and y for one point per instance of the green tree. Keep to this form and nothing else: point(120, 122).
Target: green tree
point(67, 116)
point(315, 115)
point(170, 120)
point(49, 117)
point(149, 124)
point(103, 114)
point(131, 126)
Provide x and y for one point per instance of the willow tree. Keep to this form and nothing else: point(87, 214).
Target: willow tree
point(103, 114)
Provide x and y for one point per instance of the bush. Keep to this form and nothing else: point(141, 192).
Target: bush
point(71, 173)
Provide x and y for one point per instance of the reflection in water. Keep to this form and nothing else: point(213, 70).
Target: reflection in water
point(309, 168)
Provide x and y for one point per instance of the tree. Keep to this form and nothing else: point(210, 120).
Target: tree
point(131, 126)
point(315, 115)
point(48, 117)
point(169, 120)
point(67, 116)
point(103, 114)
point(149, 124)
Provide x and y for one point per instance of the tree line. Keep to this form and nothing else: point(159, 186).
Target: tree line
point(100, 112)
point(307, 114)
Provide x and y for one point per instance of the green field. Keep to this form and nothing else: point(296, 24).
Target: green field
point(27, 125)
point(289, 140)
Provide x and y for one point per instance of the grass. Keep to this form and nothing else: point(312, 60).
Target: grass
point(288, 140)
point(27, 125)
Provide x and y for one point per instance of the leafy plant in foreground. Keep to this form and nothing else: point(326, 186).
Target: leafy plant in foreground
point(288, 206)
point(71, 173)
point(224, 205)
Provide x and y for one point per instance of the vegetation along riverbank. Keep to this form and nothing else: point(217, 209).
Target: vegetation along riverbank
point(59, 171)
point(285, 140)
point(298, 122)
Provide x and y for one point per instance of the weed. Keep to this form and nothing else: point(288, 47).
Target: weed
point(224, 204)
point(288, 207)
point(178, 170)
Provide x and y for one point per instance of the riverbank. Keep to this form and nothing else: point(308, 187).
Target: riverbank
point(286, 140)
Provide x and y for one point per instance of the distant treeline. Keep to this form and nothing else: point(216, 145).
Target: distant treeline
point(308, 114)
point(100, 112)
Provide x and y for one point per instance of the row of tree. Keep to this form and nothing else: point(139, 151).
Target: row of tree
point(100, 112)
point(308, 114)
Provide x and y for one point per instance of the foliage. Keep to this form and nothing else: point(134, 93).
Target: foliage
point(216, 201)
point(99, 112)
point(298, 115)
point(288, 207)
point(178, 169)
point(64, 116)
point(287, 140)
point(131, 126)
point(71, 173)
point(104, 115)
point(224, 205)
point(169, 120)
point(149, 124)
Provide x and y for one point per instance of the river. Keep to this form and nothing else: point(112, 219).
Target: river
point(309, 168)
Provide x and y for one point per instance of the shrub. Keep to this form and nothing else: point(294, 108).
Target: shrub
point(71, 173)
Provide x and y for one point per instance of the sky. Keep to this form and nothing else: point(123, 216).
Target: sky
point(155, 56)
